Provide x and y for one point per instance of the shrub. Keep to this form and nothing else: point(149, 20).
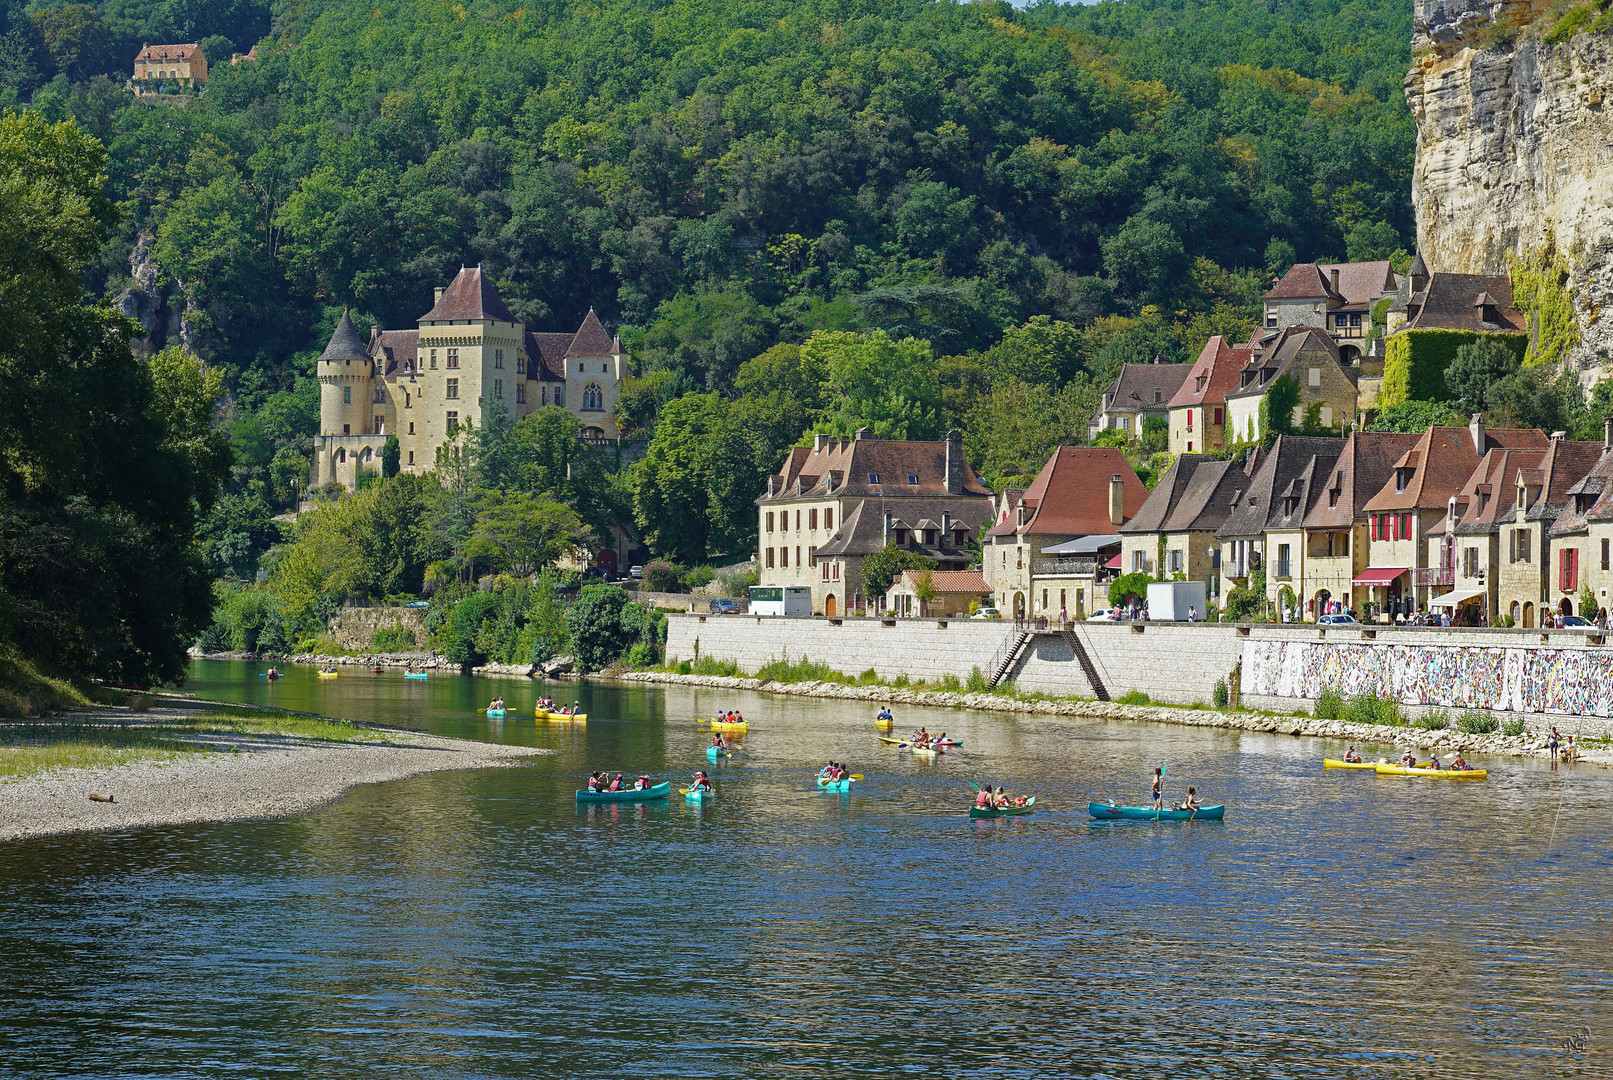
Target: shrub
point(696, 577)
point(950, 682)
point(869, 677)
point(977, 683)
point(803, 670)
point(393, 638)
point(1133, 697)
point(709, 665)
point(595, 622)
point(1126, 586)
point(1477, 723)
point(661, 576)
point(1438, 720)
point(1372, 709)
point(901, 680)
point(685, 668)
point(641, 655)
point(1221, 696)
point(461, 635)
point(1330, 705)
point(1514, 728)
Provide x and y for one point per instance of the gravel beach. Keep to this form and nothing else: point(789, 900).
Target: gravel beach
point(255, 776)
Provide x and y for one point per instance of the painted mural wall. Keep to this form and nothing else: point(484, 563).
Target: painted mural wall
point(1572, 681)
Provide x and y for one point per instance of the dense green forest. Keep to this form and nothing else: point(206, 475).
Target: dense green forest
point(988, 209)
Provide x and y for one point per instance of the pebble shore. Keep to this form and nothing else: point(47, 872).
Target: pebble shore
point(252, 776)
point(1530, 744)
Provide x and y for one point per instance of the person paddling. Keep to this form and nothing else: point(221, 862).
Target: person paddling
point(1192, 800)
point(1159, 787)
point(1351, 757)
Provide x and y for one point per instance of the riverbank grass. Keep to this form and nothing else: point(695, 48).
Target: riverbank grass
point(27, 691)
point(31, 747)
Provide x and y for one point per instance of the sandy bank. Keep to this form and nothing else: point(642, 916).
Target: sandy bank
point(1530, 744)
point(252, 776)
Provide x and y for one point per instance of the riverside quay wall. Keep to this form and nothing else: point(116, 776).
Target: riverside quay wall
point(1566, 673)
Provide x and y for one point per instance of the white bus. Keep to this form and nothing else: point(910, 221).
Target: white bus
point(781, 600)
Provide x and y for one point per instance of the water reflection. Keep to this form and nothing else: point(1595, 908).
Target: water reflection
point(483, 924)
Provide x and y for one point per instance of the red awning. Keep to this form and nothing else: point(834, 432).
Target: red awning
point(1112, 564)
point(1376, 576)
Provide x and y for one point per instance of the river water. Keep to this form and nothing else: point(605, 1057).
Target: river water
point(480, 924)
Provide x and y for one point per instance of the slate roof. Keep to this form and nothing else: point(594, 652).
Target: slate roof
point(1359, 283)
point(1365, 463)
point(1070, 496)
point(345, 345)
point(1565, 465)
point(862, 532)
point(546, 356)
point(1589, 499)
point(591, 339)
point(1450, 302)
point(164, 53)
point(1261, 504)
point(1441, 462)
point(1217, 366)
point(1491, 492)
point(469, 296)
point(1274, 355)
point(1196, 494)
point(397, 351)
point(1145, 386)
point(870, 467)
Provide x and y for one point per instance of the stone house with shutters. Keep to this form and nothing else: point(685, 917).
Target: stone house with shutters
point(467, 352)
point(1309, 356)
point(838, 501)
point(1336, 533)
point(1581, 540)
point(1337, 297)
point(1081, 491)
point(954, 592)
point(1404, 570)
point(1266, 524)
point(1174, 530)
point(1198, 411)
point(1540, 495)
point(1142, 391)
point(177, 65)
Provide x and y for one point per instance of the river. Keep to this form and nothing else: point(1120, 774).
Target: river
point(480, 924)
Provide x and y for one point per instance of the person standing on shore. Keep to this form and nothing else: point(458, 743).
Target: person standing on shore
point(1552, 742)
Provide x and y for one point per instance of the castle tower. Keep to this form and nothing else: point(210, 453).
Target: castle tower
point(349, 442)
point(471, 354)
point(593, 372)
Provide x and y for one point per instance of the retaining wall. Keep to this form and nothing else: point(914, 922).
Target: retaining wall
point(355, 628)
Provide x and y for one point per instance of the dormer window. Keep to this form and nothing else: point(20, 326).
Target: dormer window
point(1157, 398)
point(901, 537)
point(929, 537)
point(873, 478)
point(913, 478)
point(1583, 503)
point(1402, 478)
point(1198, 383)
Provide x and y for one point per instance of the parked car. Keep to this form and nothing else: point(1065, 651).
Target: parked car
point(595, 573)
point(561, 588)
point(1338, 620)
point(418, 604)
point(723, 605)
point(1572, 620)
point(636, 572)
point(1099, 616)
point(987, 613)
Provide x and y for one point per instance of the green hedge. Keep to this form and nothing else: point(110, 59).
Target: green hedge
point(1415, 362)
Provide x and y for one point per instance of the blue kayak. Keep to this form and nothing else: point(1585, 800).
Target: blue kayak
point(497, 714)
point(698, 794)
point(657, 791)
point(1110, 812)
point(714, 752)
point(416, 675)
point(834, 785)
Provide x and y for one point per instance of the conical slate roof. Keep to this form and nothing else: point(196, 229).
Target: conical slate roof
point(469, 296)
point(591, 339)
point(345, 344)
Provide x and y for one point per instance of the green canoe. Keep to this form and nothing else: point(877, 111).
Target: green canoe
point(656, 791)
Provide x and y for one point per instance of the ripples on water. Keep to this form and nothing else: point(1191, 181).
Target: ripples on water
point(480, 924)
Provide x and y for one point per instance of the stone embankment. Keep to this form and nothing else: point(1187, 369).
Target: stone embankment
point(1530, 744)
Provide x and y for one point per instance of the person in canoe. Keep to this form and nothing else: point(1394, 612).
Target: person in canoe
point(841, 771)
point(495, 705)
point(594, 783)
point(885, 714)
point(1433, 760)
point(1159, 787)
point(1459, 764)
point(1351, 756)
point(983, 797)
point(1191, 802)
point(718, 742)
point(702, 782)
point(1408, 760)
point(1000, 799)
point(642, 783)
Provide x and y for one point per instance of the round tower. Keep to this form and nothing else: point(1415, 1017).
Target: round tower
point(346, 382)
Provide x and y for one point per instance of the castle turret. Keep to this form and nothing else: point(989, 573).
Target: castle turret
point(347, 383)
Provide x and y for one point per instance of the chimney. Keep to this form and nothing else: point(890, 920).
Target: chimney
point(820, 440)
point(436, 295)
point(1334, 274)
point(887, 526)
point(1607, 433)
point(772, 485)
point(946, 527)
point(954, 474)
point(1019, 513)
point(1117, 500)
point(1475, 427)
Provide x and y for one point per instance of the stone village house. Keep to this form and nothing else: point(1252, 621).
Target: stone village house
point(1142, 391)
point(180, 65)
point(1174, 530)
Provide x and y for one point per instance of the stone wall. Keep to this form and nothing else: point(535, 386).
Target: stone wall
point(354, 628)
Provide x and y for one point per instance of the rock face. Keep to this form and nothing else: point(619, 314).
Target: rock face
point(1515, 140)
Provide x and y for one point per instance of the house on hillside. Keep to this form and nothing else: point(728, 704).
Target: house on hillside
point(1336, 537)
point(1173, 533)
point(1266, 525)
point(838, 501)
point(953, 593)
point(465, 354)
point(1308, 356)
point(1581, 538)
point(173, 66)
point(1198, 410)
point(1337, 297)
point(1399, 578)
point(1080, 492)
point(1142, 391)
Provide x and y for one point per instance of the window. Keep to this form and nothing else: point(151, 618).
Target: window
point(1176, 562)
point(1355, 318)
point(770, 558)
point(1405, 526)
point(1157, 398)
point(798, 555)
point(411, 427)
point(812, 520)
point(1512, 546)
point(593, 398)
point(1470, 562)
point(433, 359)
point(837, 571)
point(1122, 423)
point(1282, 561)
point(829, 520)
point(1218, 417)
point(1327, 416)
point(798, 521)
point(825, 568)
point(770, 521)
point(901, 537)
point(498, 358)
point(379, 424)
point(1604, 554)
point(453, 358)
point(929, 537)
point(380, 395)
point(913, 478)
point(1402, 478)
point(453, 422)
point(1190, 446)
point(520, 393)
point(873, 478)
point(408, 402)
point(784, 557)
point(1198, 383)
point(1316, 376)
point(1568, 570)
point(347, 429)
point(498, 388)
point(560, 396)
point(1044, 599)
point(453, 389)
point(1137, 565)
point(1271, 318)
point(341, 456)
point(1523, 546)
point(347, 395)
point(411, 457)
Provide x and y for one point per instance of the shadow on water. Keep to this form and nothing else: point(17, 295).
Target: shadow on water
point(481, 923)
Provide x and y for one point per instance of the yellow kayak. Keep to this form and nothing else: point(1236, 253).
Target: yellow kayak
point(1337, 763)
point(726, 725)
point(884, 725)
point(560, 716)
point(1447, 774)
point(328, 674)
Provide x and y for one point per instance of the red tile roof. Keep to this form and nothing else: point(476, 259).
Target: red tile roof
point(591, 339)
point(1441, 463)
point(1070, 496)
point(968, 582)
point(163, 53)
point(1218, 366)
point(396, 351)
point(469, 296)
point(1304, 281)
point(863, 467)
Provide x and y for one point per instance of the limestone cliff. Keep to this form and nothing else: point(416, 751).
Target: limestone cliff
point(1515, 139)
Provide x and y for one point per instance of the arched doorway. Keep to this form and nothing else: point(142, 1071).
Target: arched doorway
point(1528, 616)
point(829, 607)
point(1319, 604)
point(1516, 613)
point(1349, 354)
point(1566, 607)
point(1019, 605)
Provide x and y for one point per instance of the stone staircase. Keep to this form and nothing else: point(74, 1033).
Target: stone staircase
point(1073, 640)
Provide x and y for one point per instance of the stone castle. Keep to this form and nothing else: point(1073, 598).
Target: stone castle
point(467, 352)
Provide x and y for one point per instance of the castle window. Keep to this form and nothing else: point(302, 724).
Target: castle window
point(560, 395)
point(347, 395)
point(380, 395)
point(453, 422)
point(593, 398)
point(453, 358)
point(341, 456)
point(408, 400)
point(498, 388)
point(498, 358)
point(411, 427)
point(347, 429)
point(453, 389)
point(520, 393)
point(411, 457)
point(433, 359)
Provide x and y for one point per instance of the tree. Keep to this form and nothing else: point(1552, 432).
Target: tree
point(885, 565)
point(661, 576)
point(924, 588)
point(697, 483)
point(1042, 351)
point(517, 532)
point(595, 625)
point(1014, 429)
point(1126, 586)
point(77, 39)
point(875, 381)
point(187, 396)
point(1475, 369)
point(1414, 417)
point(235, 533)
point(391, 457)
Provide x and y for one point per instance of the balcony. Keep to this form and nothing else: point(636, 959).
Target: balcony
point(1433, 577)
point(1077, 567)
